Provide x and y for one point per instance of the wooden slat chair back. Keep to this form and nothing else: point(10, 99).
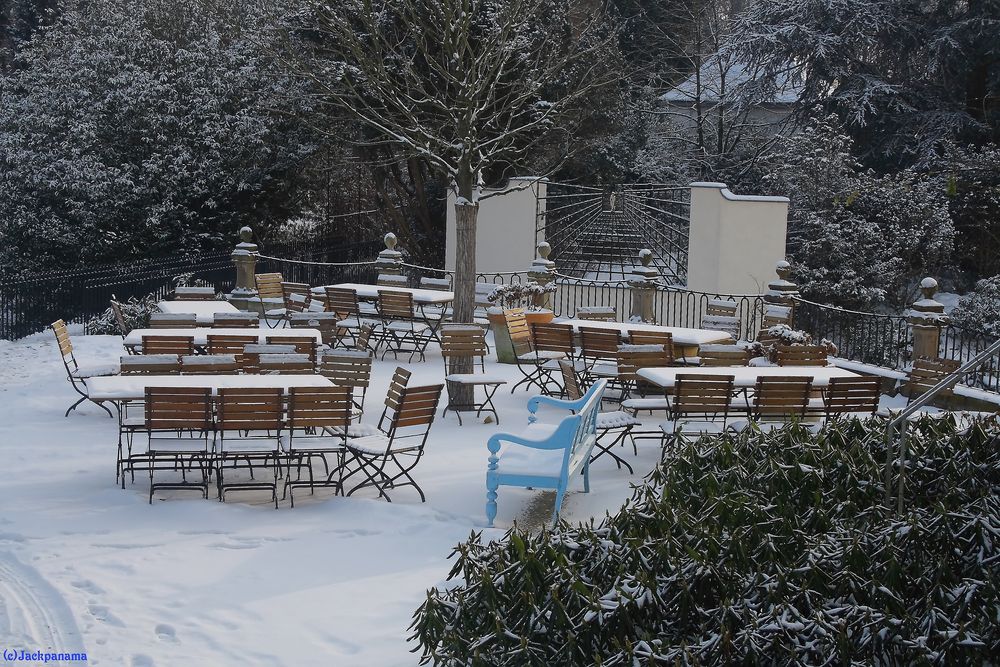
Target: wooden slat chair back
point(303, 344)
point(209, 364)
point(464, 342)
point(229, 344)
point(552, 338)
point(801, 355)
point(397, 384)
point(179, 345)
point(436, 284)
point(393, 305)
point(194, 294)
point(249, 409)
point(599, 344)
point(236, 320)
point(285, 364)
point(116, 311)
point(926, 373)
point(663, 338)
point(250, 358)
point(173, 409)
point(780, 397)
point(76, 375)
point(851, 395)
point(151, 364)
point(342, 301)
point(520, 332)
point(701, 396)
point(571, 381)
point(723, 355)
point(392, 280)
point(774, 314)
point(597, 313)
point(363, 340)
point(417, 406)
point(725, 323)
point(296, 297)
point(721, 308)
point(173, 321)
point(319, 407)
point(65, 344)
point(349, 368)
point(179, 427)
point(631, 358)
point(269, 286)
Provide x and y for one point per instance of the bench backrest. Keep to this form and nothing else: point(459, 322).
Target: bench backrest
point(577, 432)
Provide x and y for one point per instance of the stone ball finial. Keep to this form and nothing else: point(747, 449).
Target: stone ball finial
point(246, 234)
point(783, 269)
point(928, 287)
point(390, 241)
point(645, 256)
point(544, 250)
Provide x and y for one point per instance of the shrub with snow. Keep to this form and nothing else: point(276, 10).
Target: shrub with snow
point(753, 548)
point(980, 309)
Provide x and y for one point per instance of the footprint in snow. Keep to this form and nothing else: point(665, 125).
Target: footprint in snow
point(142, 660)
point(165, 633)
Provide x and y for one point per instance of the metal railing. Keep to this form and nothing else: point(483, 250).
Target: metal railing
point(896, 431)
point(870, 338)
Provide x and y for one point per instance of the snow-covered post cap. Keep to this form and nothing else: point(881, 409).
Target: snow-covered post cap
point(782, 291)
point(644, 273)
point(927, 309)
point(390, 260)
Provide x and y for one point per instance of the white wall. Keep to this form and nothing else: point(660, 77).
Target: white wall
point(734, 240)
point(505, 230)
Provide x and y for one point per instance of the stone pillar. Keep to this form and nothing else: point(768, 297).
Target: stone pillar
point(390, 260)
point(780, 296)
point(642, 285)
point(245, 258)
point(542, 271)
point(926, 317)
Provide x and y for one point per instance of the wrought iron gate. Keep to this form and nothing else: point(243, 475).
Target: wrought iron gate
point(597, 233)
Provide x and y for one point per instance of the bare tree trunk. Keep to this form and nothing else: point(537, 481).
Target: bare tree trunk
point(466, 213)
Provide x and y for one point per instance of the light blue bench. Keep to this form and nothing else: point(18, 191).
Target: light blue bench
point(545, 456)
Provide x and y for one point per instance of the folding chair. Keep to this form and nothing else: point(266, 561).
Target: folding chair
point(179, 430)
point(248, 425)
point(194, 293)
point(778, 399)
point(774, 315)
point(349, 368)
point(401, 326)
point(116, 311)
point(285, 364)
point(535, 365)
point(618, 423)
point(349, 311)
point(271, 296)
point(597, 313)
point(387, 458)
point(721, 307)
point(392, 280)
point(326, 323)
point(696, 405)
point(468, 341)
point(156, 344)
point(599, 352)
point(801, 355)
point(632, 358)
point(78, 375)
point(173, 321)
point(209, 364)
point(851, 396)
point(296, 297)
point(318, 419)
point(723, 323)
point(250, 359)
point(926, 373)
point(236, 321)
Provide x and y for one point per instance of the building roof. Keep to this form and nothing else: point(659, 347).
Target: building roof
point(788, 86)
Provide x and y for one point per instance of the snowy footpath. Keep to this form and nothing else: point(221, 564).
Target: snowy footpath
point(88, 567)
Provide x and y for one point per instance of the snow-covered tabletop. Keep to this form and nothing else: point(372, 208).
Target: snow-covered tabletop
point(371, 292)
point(201, 334)
point(204, 310)
point(746, 376)
point(133, 387)
point(681, 335)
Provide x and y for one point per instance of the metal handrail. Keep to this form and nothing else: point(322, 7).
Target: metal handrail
point(900, 421)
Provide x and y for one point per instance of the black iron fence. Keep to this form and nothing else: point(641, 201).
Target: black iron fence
point(29, 304)
point(964, 344)
point(871, 338)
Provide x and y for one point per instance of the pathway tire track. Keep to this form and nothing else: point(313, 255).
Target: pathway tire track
point(33, 614)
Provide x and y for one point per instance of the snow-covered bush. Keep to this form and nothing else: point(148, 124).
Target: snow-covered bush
point(750, 548)
point(782, 334)
point(145, 127)
point(135, 312)
point(515, 295)
point(980, 309)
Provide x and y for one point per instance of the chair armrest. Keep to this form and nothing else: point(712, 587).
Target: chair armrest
point(547, 443)
point(536, 401)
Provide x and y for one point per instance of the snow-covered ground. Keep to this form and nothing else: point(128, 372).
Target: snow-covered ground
point(87, 566)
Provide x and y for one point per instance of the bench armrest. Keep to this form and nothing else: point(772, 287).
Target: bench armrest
point(537, 401)
point(550, 442)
